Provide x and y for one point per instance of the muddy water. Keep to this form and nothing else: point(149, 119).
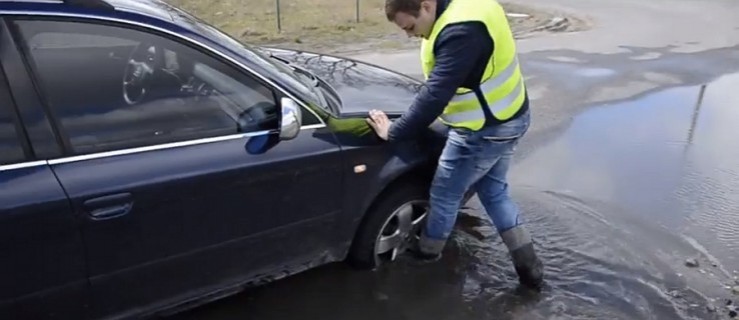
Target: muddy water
point(616, 203)
point(668, 160)
point(631, 190)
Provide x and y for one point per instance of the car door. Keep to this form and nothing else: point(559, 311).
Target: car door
point(171, 201)
point(42, 262)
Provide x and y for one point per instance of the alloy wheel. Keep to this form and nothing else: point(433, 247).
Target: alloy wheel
point(400, 230)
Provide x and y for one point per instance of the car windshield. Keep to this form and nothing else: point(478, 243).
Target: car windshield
point(300, 79)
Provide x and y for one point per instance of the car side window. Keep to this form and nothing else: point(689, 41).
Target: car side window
point(114, 87)
point(308, 118)
point(11, 150)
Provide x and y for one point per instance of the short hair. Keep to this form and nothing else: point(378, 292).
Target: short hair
point(392, 7)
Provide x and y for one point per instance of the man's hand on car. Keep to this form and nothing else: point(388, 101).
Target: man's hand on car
point(379, 121)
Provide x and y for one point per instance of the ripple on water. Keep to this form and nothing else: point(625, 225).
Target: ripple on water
point(594, 270)
point(713, 202)
point(669, 159)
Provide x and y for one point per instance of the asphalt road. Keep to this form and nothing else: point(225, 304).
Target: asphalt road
point(630, 167)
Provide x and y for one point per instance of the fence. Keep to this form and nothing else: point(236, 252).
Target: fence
point(255, 18)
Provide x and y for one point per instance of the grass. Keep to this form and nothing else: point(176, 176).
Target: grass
point(315, 24)
point(319, 22)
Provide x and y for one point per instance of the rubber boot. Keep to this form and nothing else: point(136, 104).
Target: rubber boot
point(426, 250)
point(529, 268)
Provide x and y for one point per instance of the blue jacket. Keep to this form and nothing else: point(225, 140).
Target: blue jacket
point(461, 51)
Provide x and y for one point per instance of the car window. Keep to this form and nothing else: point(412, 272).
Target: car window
point(11, 150)
point(113, 87)
point(308, 118)
point(275, 67)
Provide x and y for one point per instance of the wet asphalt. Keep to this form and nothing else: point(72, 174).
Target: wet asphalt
point(631, 167)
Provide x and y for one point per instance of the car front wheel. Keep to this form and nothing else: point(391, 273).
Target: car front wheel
point(393, 224)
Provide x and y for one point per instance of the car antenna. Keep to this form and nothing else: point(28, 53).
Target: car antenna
point(92, 4)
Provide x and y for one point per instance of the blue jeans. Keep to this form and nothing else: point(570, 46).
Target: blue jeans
point(478, 160)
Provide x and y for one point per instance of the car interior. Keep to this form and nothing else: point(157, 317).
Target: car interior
point(112, 92)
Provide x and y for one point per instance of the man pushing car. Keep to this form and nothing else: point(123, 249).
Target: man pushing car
point(473, 85)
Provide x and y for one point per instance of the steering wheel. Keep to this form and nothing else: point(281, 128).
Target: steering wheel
point(142, 62)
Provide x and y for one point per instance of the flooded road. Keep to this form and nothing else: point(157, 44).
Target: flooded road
point(669, 158)
point(635, 188)
point(630, 168)
point(616, 204)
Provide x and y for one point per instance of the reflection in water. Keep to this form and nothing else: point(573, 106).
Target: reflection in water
point(670, 158)
point(664, 170)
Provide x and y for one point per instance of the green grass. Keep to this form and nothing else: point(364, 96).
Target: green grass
point(302, 21)
point(315, 24)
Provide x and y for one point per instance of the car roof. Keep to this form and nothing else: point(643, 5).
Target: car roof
point(152, 13)
point(156, 13)
point(152, 8)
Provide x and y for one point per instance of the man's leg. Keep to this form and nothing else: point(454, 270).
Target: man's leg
point(462, 162)
point(492, 189)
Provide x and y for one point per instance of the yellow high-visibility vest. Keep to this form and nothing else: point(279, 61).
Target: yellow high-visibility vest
point(502, 84)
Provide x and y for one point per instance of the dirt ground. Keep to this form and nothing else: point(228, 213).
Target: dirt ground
point(330, 27)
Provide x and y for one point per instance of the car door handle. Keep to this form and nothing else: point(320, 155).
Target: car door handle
point(109, 207)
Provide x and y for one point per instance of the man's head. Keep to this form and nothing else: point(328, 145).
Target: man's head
point(416, 17)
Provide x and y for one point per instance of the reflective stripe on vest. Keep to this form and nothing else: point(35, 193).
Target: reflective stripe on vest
point(477, 114)
point(489, 84)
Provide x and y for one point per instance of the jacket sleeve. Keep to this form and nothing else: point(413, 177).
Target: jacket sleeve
point(456, 52)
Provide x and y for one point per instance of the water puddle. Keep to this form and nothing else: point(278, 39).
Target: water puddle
point(642, 185)
point(670, 158)
point(571, 66)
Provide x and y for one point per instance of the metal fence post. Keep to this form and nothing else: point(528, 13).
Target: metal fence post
point(357, 13)
point(279, 18)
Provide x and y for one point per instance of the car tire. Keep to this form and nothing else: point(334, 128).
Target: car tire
point(383, 218)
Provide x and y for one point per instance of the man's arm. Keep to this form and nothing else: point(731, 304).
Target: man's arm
point(457, 51)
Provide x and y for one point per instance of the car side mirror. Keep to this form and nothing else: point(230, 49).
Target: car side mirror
point(290, 121)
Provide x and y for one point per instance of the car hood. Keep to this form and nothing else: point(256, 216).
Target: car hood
point(360, 85)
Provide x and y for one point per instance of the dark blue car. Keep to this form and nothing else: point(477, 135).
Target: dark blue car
point(149, 162)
